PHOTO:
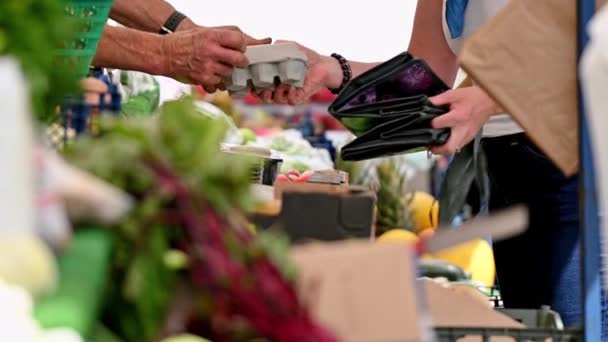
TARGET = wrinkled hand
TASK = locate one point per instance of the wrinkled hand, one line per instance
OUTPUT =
(320, 71)
(249, 40)
(470, 108)
(206, 55)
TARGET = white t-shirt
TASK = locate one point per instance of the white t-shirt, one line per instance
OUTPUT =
(478, 12)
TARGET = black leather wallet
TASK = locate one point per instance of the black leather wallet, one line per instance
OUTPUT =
(389, 111)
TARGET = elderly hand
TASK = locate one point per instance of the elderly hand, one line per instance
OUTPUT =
(323, 72)
(249, 40)
(470, 108)
(206, 55)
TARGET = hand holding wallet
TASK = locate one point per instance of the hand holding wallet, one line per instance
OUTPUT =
(389, 110)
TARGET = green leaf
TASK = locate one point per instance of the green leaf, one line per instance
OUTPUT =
(276, 245)
(30, 31)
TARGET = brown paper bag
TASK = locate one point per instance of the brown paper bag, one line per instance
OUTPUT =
(525, 58)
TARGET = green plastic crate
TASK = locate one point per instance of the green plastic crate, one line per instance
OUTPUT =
(90, 17)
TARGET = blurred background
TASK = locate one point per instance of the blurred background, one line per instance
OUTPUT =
(318, 24)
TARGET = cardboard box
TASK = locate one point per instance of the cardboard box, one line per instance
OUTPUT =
(369, 293)
(525, 58)
(362, 292)
(446, 309)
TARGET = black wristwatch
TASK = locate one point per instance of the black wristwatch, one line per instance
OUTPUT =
(172, 23)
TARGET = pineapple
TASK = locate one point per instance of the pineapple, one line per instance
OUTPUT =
(386, 178)
(391, 201)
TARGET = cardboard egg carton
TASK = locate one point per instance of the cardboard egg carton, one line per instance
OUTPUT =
(269, 65)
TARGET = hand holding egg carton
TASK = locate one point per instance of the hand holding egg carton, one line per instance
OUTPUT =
(269, 65)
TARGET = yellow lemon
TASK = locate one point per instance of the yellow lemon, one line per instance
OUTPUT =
(475, 257)
(424, 210)
(398, 235)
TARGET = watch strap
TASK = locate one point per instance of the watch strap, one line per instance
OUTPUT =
(172, 23)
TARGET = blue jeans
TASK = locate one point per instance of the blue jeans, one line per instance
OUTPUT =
(542, 266)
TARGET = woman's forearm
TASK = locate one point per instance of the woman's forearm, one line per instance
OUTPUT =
(146, 15)
(428, 40)
(128, 49)
(335, 73)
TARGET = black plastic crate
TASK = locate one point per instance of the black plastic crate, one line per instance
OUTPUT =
(515, 335)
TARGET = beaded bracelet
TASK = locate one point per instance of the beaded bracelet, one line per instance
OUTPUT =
(346, 72)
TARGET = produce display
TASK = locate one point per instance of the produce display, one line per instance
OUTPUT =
(425, 211)
(141, 93)
(186, 203)
(397, 208)
(475, 257)
(392, 202)
(470, 261)
(295, 176)
(143, 228)
(297, 153)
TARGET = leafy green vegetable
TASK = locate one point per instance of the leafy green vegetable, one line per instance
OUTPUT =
(84, 268)
(190, 196)
(188, 141)
(291, 147)
(299, 166)
(179, 136)
(143, 93)
(30, 31)
(147, 287)
(277, 249)
(142, 104)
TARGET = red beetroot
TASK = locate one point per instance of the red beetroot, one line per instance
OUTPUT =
(252, 289)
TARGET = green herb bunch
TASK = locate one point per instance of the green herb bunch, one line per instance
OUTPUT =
(30, 31)
(123, 153)
(191, 197)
